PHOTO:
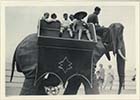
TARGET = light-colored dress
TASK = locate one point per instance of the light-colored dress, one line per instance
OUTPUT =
(110, 76)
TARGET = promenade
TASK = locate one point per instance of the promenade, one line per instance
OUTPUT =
(15, 87)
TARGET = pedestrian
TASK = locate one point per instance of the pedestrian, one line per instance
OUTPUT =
(134, 76)
(102, 76)
(99, 80)
(110, 78)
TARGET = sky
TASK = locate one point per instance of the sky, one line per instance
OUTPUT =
(22, 21)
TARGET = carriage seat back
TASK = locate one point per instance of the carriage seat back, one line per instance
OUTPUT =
(51, 28)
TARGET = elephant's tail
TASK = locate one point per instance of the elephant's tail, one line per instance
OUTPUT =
(13, 66)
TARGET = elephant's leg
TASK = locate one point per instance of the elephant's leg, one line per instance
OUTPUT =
(73, 86)
(94, 89)
(28, 87)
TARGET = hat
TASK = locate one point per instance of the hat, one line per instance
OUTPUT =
(83, 14)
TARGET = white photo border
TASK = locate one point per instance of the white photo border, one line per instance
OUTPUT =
(87, 97)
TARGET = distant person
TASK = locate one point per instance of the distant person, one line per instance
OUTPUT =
(134, 76)
(65, 25)
(80, 25)
(102, 75)
(110, 77)
(100, 30)
(99, 80)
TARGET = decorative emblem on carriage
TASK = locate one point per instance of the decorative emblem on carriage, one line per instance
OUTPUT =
(65, 65)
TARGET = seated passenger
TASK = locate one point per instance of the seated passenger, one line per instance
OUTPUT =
(45, 16)
(81, 26)
(53, 18)
(65, 25)
(72, 21)
(50, 27)
(42, 20)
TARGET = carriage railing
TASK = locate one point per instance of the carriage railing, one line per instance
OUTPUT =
(47, 30)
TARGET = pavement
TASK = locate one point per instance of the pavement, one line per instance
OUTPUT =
(16, 90)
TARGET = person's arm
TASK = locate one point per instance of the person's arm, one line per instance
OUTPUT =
(89, 19)
(85, 25)
(96, 21)
(93, 19)
(74, 25)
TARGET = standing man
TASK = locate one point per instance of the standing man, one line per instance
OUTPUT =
(102, 75)
(100, 30)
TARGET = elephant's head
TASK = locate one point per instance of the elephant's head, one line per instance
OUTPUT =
(118, 47)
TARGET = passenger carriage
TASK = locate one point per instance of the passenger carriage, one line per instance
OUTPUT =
(64, 57)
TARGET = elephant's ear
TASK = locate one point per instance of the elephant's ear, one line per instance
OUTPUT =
(116, 32)
(120, 41)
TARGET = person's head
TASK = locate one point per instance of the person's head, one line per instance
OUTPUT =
(97, 10)
(109, 66)
(71, 17)
(53, 16)
(101, 65)
(98, 72)
(46, 15)
(65, 16)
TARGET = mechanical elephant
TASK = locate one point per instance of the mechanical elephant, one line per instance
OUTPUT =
(26, 57)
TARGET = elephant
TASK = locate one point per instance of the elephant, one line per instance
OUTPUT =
(115, 43)
(26, 57)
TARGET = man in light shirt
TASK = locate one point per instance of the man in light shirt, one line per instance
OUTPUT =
(65, 25)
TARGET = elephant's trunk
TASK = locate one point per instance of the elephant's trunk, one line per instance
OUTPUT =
(116, 32)
(121, 71)
(121, 58)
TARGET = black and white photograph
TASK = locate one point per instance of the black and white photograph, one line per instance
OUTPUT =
(70, 49)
